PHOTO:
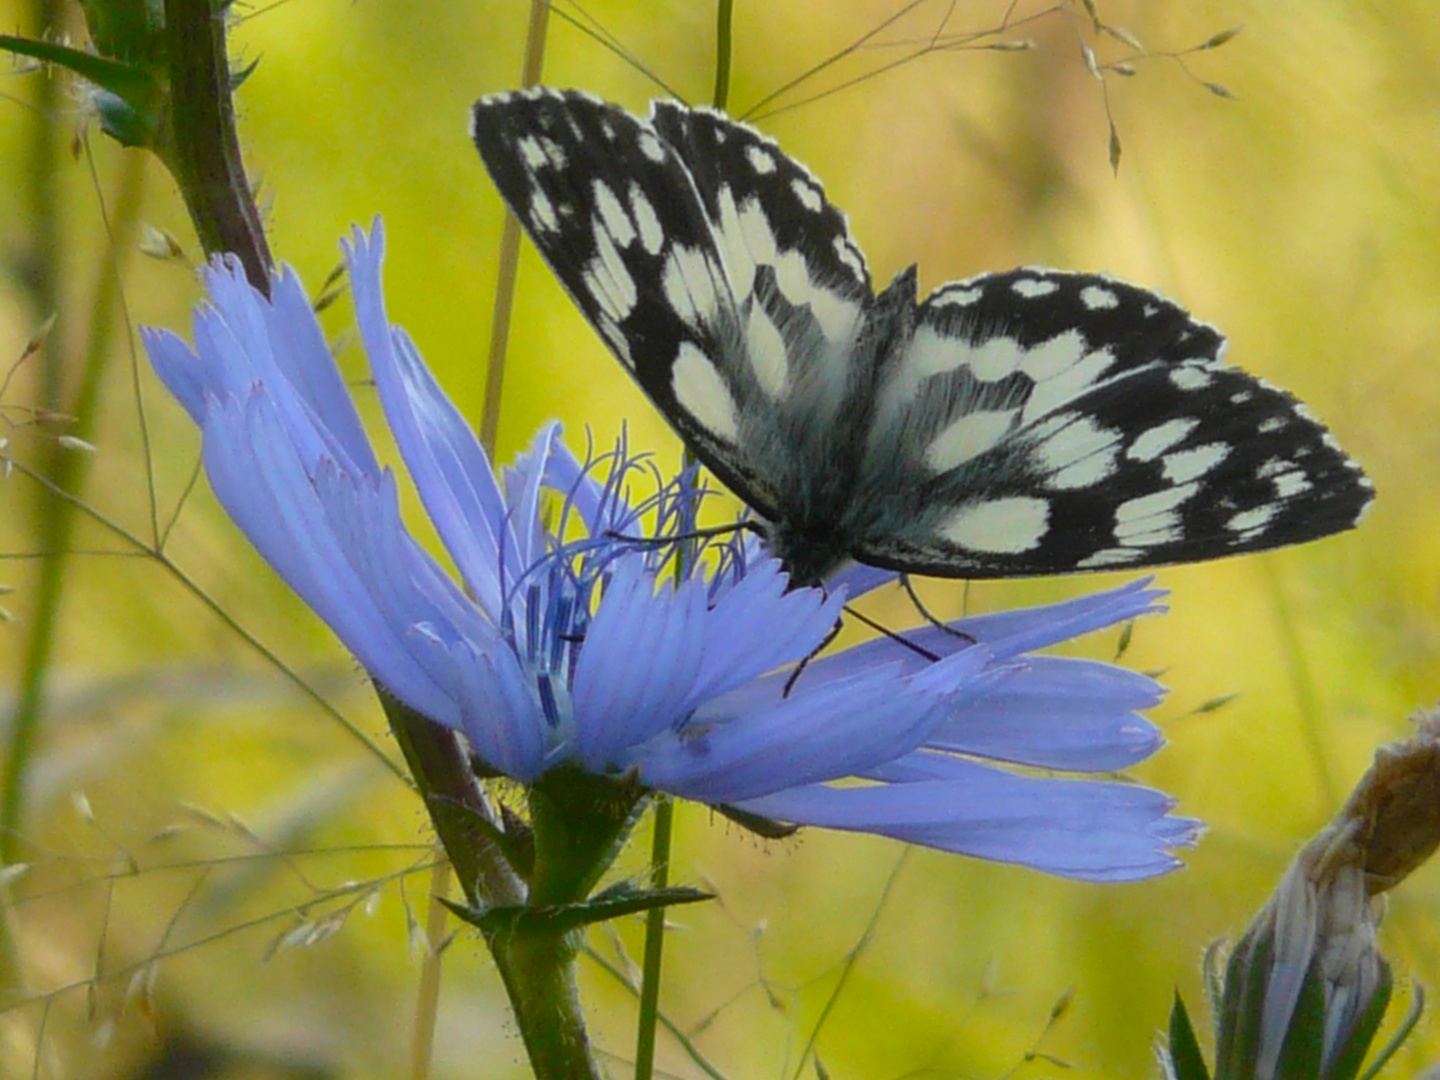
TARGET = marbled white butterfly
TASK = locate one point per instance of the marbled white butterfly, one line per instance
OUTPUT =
(1030, 422)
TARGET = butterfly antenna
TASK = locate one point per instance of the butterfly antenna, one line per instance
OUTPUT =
(708, 533)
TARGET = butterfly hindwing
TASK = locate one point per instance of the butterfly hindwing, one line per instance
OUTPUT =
(1039, 419)
(1031, 422)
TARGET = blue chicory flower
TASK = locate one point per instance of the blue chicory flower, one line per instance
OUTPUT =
(573, 645)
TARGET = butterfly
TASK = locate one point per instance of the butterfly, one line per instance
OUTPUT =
(1029, 422)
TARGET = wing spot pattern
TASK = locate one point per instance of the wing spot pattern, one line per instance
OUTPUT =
(613, 215)
(730, 238)
(1067, 385)
(686, 283)
(1189, 377)
(652, 234)
(1154, 518)
(531, 152)
(702, 393)
(1150, 444)
(766, 349)
(847, 254)
(542, 213)
(1098, 298)
(1079, 454)
(808, 195)
(968, 437)
(1273, 468)
(607, 279)
(1185, 465)
(761, 160)
(1290, 484)
(1050, 358)
(989, 362)
(651, 148)
(1251, 522)
(957, 297)
(1030, 288)
(1005, 526)
(1109, 557)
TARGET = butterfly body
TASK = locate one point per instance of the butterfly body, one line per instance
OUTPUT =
(1029, 422)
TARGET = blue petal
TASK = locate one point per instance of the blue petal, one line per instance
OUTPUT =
(523, 483)
(756, 626)
(179, 369)
(246, 339)
(259, 479)
(1073, 828)
(450, 470)
(1011, 633)
(844, 726)
(500, 716)
(640, 660)
(1058, 713)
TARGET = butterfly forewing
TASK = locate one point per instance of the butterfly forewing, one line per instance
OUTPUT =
(1032, 422)
(614, 212)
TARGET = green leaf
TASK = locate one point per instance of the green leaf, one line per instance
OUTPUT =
(133, 84)
(612, 903)
(1185, 1056)
(130, 98)
(1304, 1047)
(1238, 1036)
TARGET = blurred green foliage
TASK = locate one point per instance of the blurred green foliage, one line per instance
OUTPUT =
(1301, 215)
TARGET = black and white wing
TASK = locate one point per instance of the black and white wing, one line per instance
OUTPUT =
(1032, 422)
(709, 261)
(1042, 422)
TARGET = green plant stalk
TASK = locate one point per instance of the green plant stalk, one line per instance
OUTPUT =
(653, 961)
(56, 525)
(508, 263)
(654, 941)
(537, 966)
(199, 144)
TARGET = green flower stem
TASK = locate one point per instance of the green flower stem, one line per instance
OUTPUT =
(537, 965)
(654, 941)
(665, 809)
(462, 815)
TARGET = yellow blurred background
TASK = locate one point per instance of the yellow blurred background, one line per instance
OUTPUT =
(222, 809)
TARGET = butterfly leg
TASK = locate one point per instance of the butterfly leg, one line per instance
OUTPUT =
(927, 616)
(800, 667)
